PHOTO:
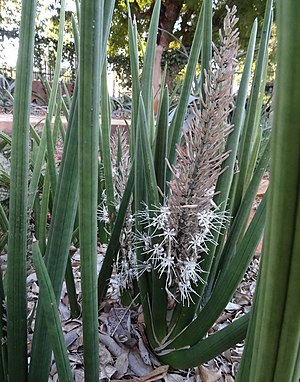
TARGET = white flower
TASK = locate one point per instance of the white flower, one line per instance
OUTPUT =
(143, 214)
(156, 253)
(177, 259)
(186, 291)
(114, 171)
(190, 271)
(166, 265)
(160, 219)
(145, 240)
(205, 219)
(142, 267)
(198, 243)
(169, 236)
(126, 274)
(212, 220)
(130, 219)
(103, 214)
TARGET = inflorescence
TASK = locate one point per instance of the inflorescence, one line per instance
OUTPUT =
(175, 237)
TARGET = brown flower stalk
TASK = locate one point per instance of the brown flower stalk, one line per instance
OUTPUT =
(177, 234)
(202, 152)
(120, 169)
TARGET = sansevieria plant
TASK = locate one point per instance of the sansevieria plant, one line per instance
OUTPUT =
(273, 337)
(169, 201)
(184, 244)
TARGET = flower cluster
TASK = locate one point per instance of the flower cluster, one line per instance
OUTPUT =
(126, 262)
(102, 213)
(176, 236)
(174, 254)
(172, 247)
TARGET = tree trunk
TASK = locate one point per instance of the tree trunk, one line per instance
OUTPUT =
(168, 16)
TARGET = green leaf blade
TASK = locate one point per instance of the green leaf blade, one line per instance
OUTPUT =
(17, 239)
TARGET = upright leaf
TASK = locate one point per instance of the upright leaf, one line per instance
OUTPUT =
(52, 318)
(17, 240)
(253, 111)
(51, 107)
(272, 352)
(91, 33)
(178, 119)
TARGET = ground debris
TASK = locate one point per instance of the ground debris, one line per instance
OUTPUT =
(124, 351)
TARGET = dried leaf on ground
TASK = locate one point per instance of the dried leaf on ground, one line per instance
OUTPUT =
(121, 365)
(153, 376)
(137, 365)
(209, 375)
(177, 378)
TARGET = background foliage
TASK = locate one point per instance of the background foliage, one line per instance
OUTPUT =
(177, 24)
